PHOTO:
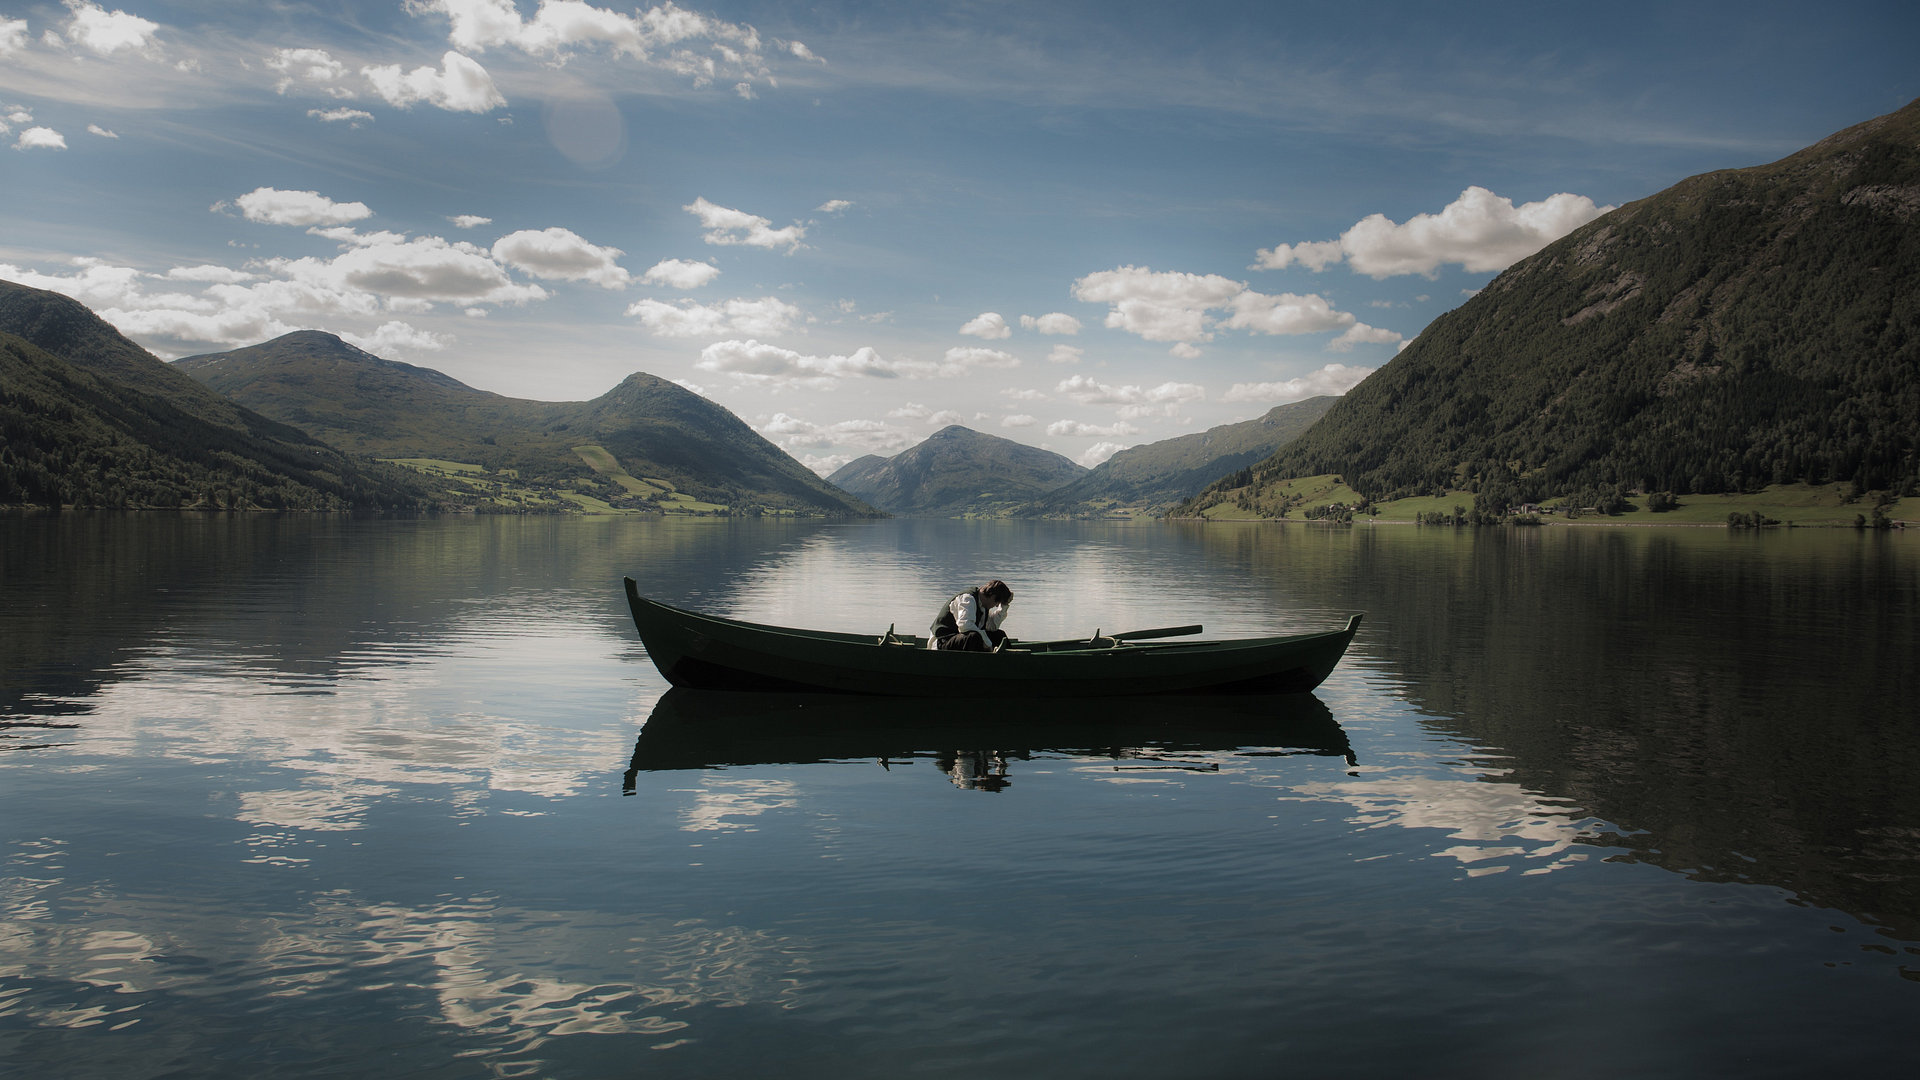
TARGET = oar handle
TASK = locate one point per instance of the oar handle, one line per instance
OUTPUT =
(1166, 631)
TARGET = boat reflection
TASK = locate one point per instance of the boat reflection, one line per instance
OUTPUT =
(705, 729)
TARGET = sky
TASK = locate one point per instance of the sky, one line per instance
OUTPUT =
(1080, 226)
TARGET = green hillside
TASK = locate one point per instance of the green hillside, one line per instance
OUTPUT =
(1148, 479)
(646, 446)
(1742, 329)
(89, 419)
(958, 472)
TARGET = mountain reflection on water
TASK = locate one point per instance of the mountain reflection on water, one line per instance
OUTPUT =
(318, 795)
(972, 744)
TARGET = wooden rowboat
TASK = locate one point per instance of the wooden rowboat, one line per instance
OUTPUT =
(706, 652)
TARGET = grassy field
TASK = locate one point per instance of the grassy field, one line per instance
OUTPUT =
(1796, 505)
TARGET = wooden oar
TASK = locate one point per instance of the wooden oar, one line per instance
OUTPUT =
(1167, 631)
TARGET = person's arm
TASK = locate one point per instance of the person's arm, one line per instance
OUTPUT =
(966, 615)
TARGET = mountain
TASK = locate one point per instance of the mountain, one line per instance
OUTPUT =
(88, 418)
(957, 472)
(1742, 328)
(1150, 478)
(647, 444)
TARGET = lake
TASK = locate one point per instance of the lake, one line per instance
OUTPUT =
(320, 796)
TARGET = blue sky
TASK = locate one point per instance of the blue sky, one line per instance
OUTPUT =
(1078, 225)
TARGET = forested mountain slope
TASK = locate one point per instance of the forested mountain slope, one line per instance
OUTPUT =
(1743, 328)
(957, 472)
(1149, 478)
(662, 437)
(88, 418)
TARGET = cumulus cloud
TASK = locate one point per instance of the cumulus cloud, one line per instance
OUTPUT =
(1017, 420)
(272, 206)
(779, 368)
(913, 410)
(1185, 308)
(967, 358)
(1285, 314)
(423, 268)
(1065, 354)
(107, 32)
(1070, 428)
(832, 206)
(988, 325)
(1361, 333)
(1134, 401)
(13, 35)
(798, 436)
(561, 254)
(765, 317)
(398, 337)
(1480, 231)
(206, 272)
(40, 138)
(312, 65)
(1056, 322)
(1334, 379)
(752, 361)
(353, 117)
(680, 273)
(96, 129)
(1098, 453)
(727, 227)
(461, 85)
(469, 221)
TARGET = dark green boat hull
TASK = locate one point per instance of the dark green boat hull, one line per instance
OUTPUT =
(705, 652)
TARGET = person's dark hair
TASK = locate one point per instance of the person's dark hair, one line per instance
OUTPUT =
(996, 591)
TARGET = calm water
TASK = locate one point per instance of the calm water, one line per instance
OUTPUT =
(293, 797)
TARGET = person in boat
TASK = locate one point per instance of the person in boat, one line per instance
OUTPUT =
(971, 620)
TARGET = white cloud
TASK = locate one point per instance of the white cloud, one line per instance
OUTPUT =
(1065, 354)
(733, 50)
(354, 117)
(779, 368)
(96, 129)
(1017, 420)
(765, 317)
(398, 337)
(831, 206)
(271, 206)
(801, 51)
(313, 65)
(1068, 428)
(1180, 307)
(988, 325)
(680, 273)
(1134, 401)
(461, 85)
(13, 35)
(726, 227)
(797, 436)
(1285, 314)
(1361, 333)
(107, 32)
(966, 358)
(1480, 231)
(40, 138)
(1056, 322)
(225, 275)
(425, 268)
(1023, 395)
(1169, 306)
(469, 221)
(1334, 379)
(561, 254)
(1098, 453)
(913, 410)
